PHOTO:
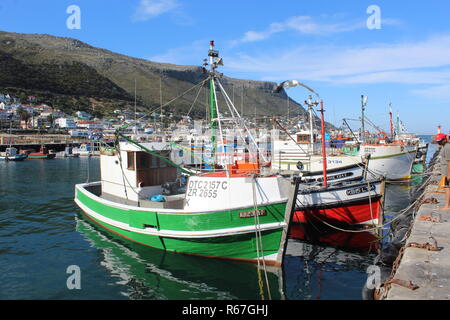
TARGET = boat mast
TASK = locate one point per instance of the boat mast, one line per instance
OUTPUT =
(324, 151)
(391, 123)
(212, 101)
(311, 125)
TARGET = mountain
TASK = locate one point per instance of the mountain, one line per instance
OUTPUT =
(73, 75)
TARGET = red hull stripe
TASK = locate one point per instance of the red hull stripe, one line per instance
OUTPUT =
(346, 214)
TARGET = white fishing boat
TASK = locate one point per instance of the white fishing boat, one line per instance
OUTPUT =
(87, 150)
(393, 161)
(301, 155)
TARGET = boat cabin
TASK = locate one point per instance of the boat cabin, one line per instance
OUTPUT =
(10, 152)
(304, 137)
(135, 175)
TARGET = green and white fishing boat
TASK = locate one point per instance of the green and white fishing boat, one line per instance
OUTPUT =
(234, 213)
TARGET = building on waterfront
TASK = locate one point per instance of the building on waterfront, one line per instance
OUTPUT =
(91, 125)
(65, 123)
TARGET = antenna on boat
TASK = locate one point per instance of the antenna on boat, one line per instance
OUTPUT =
(364, 100)
(324, 151)
(310, 103)
(391, 122)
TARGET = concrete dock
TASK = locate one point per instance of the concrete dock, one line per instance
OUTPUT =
(422, 269)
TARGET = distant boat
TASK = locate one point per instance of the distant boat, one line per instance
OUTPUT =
(11, 154)
(67, 153)
(42, 154)
(87, 150)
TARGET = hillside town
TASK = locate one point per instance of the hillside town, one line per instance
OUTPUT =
(36, 116)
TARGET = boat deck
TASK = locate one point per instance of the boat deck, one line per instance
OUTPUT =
(172, 202)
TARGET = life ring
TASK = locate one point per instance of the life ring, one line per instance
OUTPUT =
(300, 166)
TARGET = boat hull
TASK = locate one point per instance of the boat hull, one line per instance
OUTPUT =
(360, 212)
(41, 156)
(228, 234)
(19, 157)
(351, 172)
(358, 203)
(363, 241)
(393, 162)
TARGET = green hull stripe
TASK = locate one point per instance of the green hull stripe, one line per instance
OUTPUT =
(233, 246)
(241, 246)
(183, 222)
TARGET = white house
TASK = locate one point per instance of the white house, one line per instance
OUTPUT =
(66, 123)
(91, 125)
(83, 115)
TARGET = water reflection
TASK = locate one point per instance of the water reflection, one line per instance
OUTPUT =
(147, 273)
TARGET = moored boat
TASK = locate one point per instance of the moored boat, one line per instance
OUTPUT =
(87, 150)
(353, 202)
(235, 213)
(42, 154)
(346, 203)
(11, 154)
(393, 161)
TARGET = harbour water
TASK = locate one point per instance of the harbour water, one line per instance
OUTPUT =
(42, 233)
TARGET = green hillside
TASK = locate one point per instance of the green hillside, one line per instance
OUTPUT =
(70, 74)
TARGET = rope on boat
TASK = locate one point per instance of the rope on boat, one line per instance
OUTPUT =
(196, 97)
(259, 246)
(166, 104)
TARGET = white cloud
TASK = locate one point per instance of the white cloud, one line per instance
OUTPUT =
(411, 62)
(148, 9)
(308, 25)
(441, 93)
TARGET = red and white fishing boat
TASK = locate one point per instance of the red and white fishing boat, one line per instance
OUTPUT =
(357, 202)
(347, 203)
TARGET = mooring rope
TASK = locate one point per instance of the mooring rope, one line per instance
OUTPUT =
(259, 246)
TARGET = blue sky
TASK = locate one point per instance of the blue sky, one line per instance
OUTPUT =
(325, 44)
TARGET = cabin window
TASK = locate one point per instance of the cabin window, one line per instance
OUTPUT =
(152, 171)
(130, 161)
(302, 139)
(154, 162)
(143, 160)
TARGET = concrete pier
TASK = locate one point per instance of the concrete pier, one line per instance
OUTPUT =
(422, 270)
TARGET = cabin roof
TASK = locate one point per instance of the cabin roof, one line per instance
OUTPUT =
(154, 146)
